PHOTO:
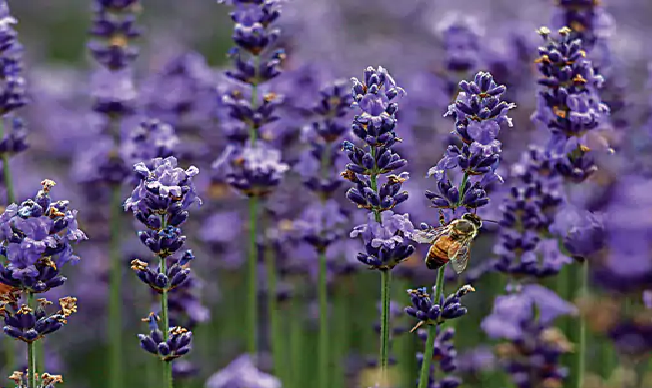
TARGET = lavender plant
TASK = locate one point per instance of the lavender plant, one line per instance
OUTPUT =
(37, 238)
(12, 129)
(478, 113)
(385, 232)
(161, 202)
(248, 166)
(570, 107)
(113, 29)
(321, 225)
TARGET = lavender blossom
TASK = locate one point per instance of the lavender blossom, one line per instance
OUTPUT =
(174, 346)
(478, 114)
(429, 313)
(37, 241)
(568, 103)
(525, 319)
(15, 141)
(114, 28)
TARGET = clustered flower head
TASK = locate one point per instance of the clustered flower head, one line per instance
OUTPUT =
(374, 124)
(525, 246)
(167, 348)
(37, 238)
(14, 140)
(430, 313)
(28, 325)
(444, 356)
(461, 39)
(525, 319)
(173, 277)
(161, 202)
(255, 35)
(151, 139)
(479, 113)
(47, 380)
(587, 19)
(12, 82)
(253, 170)
(114, 27)
(568, 103)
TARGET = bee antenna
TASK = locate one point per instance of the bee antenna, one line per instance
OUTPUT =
(495, 222)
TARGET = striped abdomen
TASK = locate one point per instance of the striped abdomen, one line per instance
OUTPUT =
(438, 252)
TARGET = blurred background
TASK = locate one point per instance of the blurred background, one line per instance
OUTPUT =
(428, 46)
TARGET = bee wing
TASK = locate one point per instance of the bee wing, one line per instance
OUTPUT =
(429, 236)
(459, 253)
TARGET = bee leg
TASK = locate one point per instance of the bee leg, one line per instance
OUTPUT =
(442, 218)
(418, 325)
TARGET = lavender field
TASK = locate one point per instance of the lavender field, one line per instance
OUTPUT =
(326, 194)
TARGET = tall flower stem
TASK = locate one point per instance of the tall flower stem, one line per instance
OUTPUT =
(276, 337)
(252, 270)
(10, 359)
(323, 290)
(580, 362)
(432, 333)
(252, 259)
(297, 338)
(167, 365)
(116, 378)
(385, 279)
(6, 172)
(31, 349)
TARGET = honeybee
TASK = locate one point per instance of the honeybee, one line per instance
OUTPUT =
(450, 242)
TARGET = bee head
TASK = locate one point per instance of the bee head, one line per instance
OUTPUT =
(473, 218)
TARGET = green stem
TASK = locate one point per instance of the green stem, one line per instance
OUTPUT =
(276, 338)
(167, 365)
(31, 347)
(6, 170)
(323, 322)
(252, 266)
(432, 333)
(583, 283)
(116, 377)
(385, 278)
(322, 289)
(296, 340)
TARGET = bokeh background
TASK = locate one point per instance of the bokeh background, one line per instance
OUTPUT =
(181, 63)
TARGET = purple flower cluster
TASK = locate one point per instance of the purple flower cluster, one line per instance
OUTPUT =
(114, 27)
(479, 114)
(429, 313)
(525, 246)
(167, 348)
(12, 95)
(525, 319)
(588, 20)
(385, 234)
(37, 238)
(30, 325)
(444, 356)
(161, 202)
(568, 103)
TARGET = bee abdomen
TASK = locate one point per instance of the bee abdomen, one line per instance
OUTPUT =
(437, 256)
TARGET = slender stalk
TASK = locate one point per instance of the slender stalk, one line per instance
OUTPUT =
(580, 362)
(323, 321)
(252, 268)
(385, 280)
(252, 259)
(322, 289)
(276, 339)
(167, 365)
(296, 341)
(432, 333)
(116, 377)
(31, 347)
(10, 350)
(163, 268)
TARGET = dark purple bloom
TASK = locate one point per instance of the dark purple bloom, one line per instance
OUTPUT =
(15, 137)
(433, 313)
(253, 170)
(176, 275)
(444, 357)
(12, 82)
(37, 240)
(167, 348)
(30, 325)
(387, 241)
(114, 27)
